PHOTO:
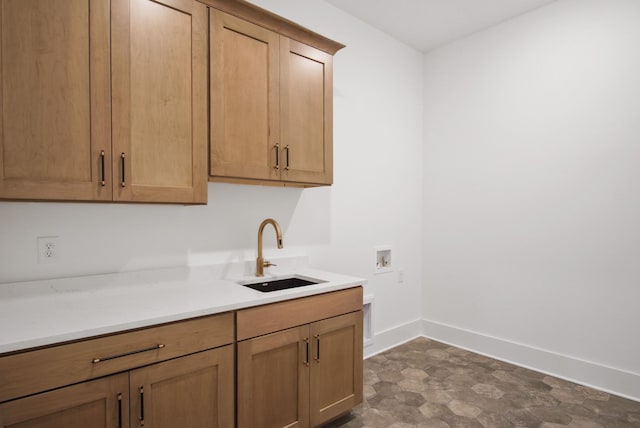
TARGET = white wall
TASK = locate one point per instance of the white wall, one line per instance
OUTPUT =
(378, 156)
(532, 191)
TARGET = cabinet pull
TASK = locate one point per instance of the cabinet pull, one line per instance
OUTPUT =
(141, 406)
(119, 410)
(112, 357)
(286, 152)
(102, 179)
(277, 147)
(306, 344)
(123, 182)
(317, 336)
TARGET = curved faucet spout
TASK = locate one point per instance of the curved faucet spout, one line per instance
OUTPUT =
(260, 262)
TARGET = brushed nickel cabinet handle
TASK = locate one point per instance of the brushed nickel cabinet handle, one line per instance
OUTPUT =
(102, 180)
(126, 354)
(277, 147)
(123, 182)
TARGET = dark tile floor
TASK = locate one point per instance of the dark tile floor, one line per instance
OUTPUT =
(428, 384)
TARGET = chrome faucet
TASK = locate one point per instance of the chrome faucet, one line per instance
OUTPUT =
(260, 262)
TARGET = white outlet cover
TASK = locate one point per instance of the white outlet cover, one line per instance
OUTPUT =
(48, 249)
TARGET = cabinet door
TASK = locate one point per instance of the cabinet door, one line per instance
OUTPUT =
(336, 366)
(54, 91)
(101, 403)
(244, 99)
(159, 84)
(306, 82)
(195, 391)
(273, 380)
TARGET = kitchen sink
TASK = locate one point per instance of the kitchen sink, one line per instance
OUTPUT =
(281, 284)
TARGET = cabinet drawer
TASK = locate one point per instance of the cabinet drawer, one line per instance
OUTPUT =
(266, 319)
(34, 371)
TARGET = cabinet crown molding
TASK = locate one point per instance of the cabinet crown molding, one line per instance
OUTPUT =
(264, 18)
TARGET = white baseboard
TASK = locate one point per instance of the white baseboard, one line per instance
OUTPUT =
(612, 380)
(392, 337)
(615, 381)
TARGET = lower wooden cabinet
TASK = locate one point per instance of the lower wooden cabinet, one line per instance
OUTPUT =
(298, 363)
(336, 367)
(194, 391)
(98, 403)
(303, 376)
(273, 380)
(169, 375)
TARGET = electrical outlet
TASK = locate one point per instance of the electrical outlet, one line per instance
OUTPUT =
(400, 276)
(48, 249)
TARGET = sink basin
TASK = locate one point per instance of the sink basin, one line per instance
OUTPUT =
(281, 284)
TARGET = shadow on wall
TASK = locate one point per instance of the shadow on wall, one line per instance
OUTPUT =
(303, 215)
(105, 238)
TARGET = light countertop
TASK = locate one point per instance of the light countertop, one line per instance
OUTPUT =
(45, 312)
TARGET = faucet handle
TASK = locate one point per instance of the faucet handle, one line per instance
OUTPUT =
(267, 263)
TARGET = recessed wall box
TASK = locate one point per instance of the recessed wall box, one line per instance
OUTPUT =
(383, 260)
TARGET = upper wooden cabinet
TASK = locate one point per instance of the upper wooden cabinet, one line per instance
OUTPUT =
(271, 99)
(159, 84)
(244, 99)
(55, 119)
(306, 112)
(107, 100)
(103, 100)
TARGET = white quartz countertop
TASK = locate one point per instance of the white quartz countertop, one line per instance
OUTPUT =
(41, 313)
